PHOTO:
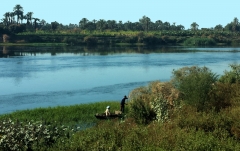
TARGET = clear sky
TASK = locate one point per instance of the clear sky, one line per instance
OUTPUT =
(206, 13)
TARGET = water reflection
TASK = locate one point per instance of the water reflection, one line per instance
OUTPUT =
(12, 51)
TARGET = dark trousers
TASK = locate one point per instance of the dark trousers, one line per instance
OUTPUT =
(122, 108)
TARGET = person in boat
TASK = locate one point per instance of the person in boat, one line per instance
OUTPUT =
(107, 112)
(122, 104)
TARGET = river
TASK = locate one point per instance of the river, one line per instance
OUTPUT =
(33, 77)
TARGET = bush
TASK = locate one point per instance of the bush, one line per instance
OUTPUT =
(154, 102)
(141, 111)
(29, 135)
(71, 40)
(232, 76)
(200, 42)
(90, 41)
(17, 28)
(195, 83)
(131, 39)
(221, 95)
(151, 40)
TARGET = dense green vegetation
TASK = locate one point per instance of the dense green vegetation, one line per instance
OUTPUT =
(195, 110)
(110, 32)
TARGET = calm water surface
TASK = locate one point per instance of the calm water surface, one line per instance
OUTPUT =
(40, 77)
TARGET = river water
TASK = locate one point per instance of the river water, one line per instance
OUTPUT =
(33, 77)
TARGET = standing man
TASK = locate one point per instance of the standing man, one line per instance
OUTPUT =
(123, 103)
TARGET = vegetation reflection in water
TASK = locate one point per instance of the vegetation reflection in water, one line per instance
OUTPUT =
(11, 51)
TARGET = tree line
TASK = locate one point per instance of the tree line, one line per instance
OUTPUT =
(14, 21)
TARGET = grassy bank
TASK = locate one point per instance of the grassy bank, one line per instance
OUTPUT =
(187, 130)
(108, 37)
(63, 114)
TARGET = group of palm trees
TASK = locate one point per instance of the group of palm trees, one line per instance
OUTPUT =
(144, 23)
(9, 17)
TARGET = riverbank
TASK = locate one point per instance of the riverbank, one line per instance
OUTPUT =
(188, 130)
(111, 38)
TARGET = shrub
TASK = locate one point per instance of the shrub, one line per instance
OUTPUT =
(232, 76)
(71, 40)
(90, 41)
(221, 95)
(29, 135)
(131, 39)
(200, 42)
(195, 83)
(17, 28)
(151, 40)
(141, 111)
(154, 102)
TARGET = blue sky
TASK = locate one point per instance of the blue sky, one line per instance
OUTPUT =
(206, 13)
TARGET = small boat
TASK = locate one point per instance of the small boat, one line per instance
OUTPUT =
(116, 114)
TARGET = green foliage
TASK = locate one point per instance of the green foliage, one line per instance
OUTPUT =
(131, 39)
(195, 83)
(153, 102)
(141, 111)
(4, 30)
(16, 135)
(199, 42)
(90, 40)
(160, 107)
(187, 130)
(71, 40)
(232, 76)
(83, 113)
(151, 40)
(219, 100)
(17, 28)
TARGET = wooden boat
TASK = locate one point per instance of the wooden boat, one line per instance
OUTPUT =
(116, 114)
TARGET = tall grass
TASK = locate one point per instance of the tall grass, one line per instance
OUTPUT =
(64, 114)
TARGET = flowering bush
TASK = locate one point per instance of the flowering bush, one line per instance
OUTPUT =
(29, 135)
(154, 102)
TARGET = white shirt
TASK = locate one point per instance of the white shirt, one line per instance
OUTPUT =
(107, 112)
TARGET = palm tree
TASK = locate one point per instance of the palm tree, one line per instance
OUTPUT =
(166, 25)
(4, 22)
(194, 26)
(128, 25)
(158, 25)
(7, 18)
(43, 22)
(145, 21)
(101, 24)
(235, 24)
(29, 17)
(18, 10)
(218, 27)
(12, 18)
(83, 22)
(54, 25)
(180, 27)
(21, 17)
(35, 22)
(111, 24)
(120, 25)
